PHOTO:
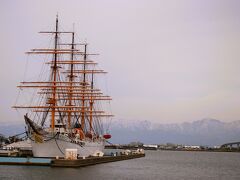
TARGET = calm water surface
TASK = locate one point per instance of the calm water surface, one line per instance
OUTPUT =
(167, 165)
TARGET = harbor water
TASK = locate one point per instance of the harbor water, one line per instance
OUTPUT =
(170, 165)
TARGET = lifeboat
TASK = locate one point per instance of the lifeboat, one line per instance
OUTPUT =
(107, 136)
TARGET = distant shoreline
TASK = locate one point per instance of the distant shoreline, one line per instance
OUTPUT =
(156, 148)
(238, 151)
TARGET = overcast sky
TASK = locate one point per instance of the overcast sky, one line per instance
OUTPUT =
(168, 60)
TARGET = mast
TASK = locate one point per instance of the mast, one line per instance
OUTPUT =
(91, 107)
(84, 86)
(54, 67)
(71, 92)
(71, 81)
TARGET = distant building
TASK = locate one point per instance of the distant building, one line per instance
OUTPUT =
(150, 146)
(192, 147)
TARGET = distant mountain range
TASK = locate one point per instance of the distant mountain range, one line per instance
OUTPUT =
(11, 129)
(208, 132)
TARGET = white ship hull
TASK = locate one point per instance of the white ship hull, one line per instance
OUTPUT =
(56, 147)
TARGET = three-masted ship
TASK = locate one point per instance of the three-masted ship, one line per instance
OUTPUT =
(69, 113)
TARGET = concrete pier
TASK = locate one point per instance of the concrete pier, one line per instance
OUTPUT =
(64, 162)
(25, 161)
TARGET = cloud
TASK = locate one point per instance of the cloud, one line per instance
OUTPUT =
(167, 60)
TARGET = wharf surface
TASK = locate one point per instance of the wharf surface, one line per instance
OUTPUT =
(92, 160)
(64, 162)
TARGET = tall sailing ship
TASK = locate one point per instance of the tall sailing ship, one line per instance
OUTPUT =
(68, 113)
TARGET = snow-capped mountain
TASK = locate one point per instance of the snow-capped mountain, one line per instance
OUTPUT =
(202, 132)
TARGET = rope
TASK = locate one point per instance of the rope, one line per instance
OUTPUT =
(109, 142)
(58, 146)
